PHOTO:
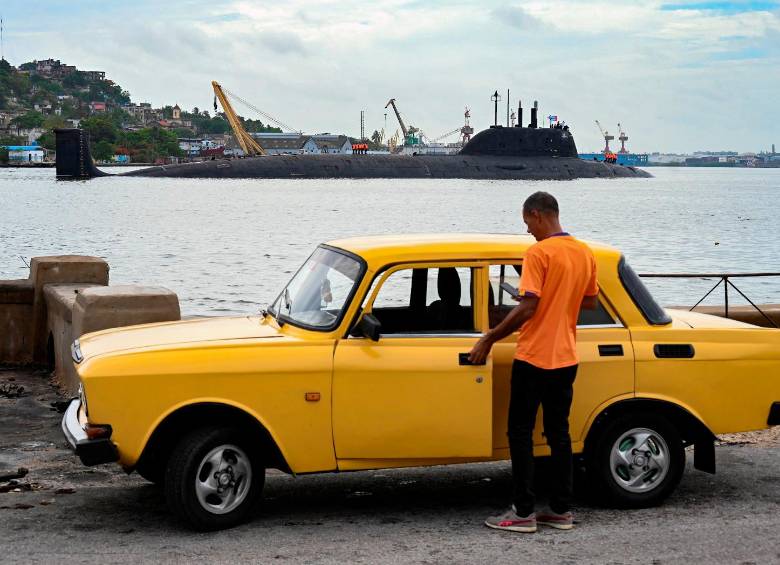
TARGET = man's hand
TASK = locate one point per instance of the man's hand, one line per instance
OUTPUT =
(481, 350)
(516, 318)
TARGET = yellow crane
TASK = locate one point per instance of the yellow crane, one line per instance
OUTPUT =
(248, 143)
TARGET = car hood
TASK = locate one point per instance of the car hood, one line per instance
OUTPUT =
(176, 333)
(699, 320)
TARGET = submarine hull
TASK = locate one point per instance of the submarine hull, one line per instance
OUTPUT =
(496, 153)
(395, 166)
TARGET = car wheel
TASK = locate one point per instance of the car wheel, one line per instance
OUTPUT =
(213, 479)
(636, 461)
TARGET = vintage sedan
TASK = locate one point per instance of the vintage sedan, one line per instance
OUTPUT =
(361, 363)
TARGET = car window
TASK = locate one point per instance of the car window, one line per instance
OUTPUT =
(501, 302)
(426, 300)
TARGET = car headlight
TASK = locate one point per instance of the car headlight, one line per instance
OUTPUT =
(75, 352)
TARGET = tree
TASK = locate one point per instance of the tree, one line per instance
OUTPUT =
(100, 128)
(103, 151)
(376, 137)
(47, 140)
(28, 120)
(184, 132)
(12, 140)
(54, 122)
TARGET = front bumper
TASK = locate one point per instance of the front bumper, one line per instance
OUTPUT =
(90, 451)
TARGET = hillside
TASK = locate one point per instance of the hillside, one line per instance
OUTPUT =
(39, 96)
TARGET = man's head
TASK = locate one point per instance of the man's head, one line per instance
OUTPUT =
(540, 214)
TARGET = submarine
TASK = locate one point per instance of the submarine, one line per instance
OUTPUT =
(496, 153)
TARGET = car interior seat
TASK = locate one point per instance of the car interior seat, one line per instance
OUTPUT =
(446, 313)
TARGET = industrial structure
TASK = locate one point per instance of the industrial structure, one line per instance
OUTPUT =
(499, 152)
(622, 157)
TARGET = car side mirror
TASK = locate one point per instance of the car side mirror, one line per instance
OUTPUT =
(369, 326)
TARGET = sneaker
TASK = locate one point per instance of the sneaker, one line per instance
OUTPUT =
(509, 520)
(563, 521)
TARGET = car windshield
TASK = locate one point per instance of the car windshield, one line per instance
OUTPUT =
(318, 293)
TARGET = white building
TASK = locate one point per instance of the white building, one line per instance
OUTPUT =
(25, 153)
(327, 143)
(286, 143)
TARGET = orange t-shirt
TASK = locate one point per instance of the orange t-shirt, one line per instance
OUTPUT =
(560, 271)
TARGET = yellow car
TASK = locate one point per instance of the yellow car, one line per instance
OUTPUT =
(361, 363)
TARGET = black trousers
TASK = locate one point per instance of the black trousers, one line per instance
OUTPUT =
(552, 388)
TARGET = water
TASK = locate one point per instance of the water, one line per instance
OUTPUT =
(227, 247)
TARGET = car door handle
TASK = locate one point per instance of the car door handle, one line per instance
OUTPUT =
(463, 359)
(615, 350)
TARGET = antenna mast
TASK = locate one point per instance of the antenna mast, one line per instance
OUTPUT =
(2, 53)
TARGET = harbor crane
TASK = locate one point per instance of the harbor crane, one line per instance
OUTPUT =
(466, 130)
(607, 138)
(407, 131)
(623, 138)
(404, 131)
(247, 143)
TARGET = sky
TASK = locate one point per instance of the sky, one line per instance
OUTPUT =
(679, 76)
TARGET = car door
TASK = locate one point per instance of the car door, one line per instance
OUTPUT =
(410, 395)
(606, 367)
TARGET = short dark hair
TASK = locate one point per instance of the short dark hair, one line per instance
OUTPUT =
(542, 202)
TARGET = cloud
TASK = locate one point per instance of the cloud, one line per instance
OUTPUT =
(282, 42)
(516, 17)
(723, 7)
(665, 74)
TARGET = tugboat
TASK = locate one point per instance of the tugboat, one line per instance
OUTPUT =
(522, 153)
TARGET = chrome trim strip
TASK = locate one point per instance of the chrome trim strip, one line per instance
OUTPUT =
(73, 431)
(75, 352)
(600, 326)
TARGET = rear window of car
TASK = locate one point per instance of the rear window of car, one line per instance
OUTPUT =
(638, 292)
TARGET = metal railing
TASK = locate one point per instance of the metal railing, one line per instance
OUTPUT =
(723, 279)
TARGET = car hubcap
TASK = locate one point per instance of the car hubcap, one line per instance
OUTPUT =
(223, 479)
(639, 460)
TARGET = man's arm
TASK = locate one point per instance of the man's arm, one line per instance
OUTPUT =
(519, 315)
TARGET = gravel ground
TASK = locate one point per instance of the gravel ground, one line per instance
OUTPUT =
(65, 512)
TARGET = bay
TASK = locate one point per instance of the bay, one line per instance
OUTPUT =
(228, 246)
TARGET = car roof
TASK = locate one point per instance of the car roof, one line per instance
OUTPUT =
(379, 250)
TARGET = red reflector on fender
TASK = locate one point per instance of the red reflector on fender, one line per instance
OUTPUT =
(97, 432)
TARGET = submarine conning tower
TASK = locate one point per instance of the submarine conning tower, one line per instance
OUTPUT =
(522, 142)
(74, 160)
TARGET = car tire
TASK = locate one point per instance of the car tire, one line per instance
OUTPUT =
(154, 472)
(636, 461)
(214, 478)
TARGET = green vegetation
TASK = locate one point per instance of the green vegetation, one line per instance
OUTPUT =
(107, 138)
(47, 102)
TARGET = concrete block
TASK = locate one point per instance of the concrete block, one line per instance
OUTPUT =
(60, 299)
(16, 327)
(98, 308)
(59, 269)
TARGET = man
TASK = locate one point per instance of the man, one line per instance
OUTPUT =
(558, 278)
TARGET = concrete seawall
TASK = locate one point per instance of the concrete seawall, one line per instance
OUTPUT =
(67, 296)
(63, 298)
